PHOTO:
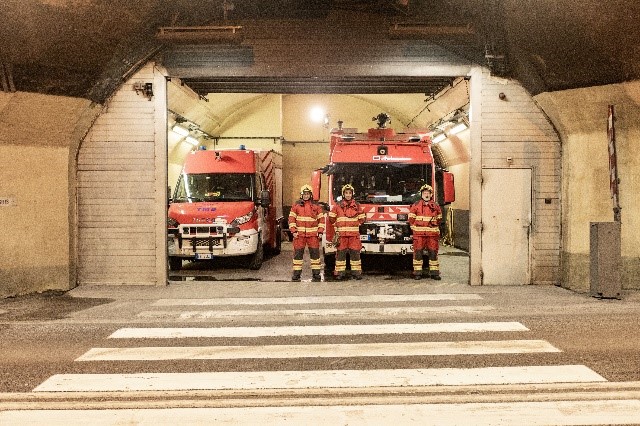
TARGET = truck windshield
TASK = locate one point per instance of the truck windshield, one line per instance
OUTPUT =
(381, 183)
(214, 187)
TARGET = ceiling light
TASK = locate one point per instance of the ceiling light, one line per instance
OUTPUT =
(180, 130)
(458, 128)
(439, 138)
(193, 141)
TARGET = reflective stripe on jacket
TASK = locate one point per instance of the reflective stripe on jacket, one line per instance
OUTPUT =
(347, 217)
(306, 218)
(425, 218)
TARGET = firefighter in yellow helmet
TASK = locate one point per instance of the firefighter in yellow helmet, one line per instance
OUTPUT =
(347, 216)
(425, 217)
(306, 223)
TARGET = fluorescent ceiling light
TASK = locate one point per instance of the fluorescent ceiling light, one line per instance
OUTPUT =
(439, 138)
(180, 130)
(192, 140)
(458, 128)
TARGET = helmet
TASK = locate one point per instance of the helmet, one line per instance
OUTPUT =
(345, 187)
(304, 188)
(426, 187)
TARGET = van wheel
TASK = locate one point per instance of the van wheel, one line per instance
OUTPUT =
(256, 258)
(175, 263)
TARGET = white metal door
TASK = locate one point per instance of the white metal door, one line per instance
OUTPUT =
(506, 222)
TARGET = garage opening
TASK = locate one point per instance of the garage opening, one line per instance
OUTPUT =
(293, 119)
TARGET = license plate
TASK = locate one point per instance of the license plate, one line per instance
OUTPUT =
(204, 256)
(364, 238)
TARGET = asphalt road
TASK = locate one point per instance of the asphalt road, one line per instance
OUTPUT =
(47, 334)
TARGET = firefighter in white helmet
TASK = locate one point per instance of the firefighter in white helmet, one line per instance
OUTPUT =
(347, 216)
(425, 217)
(306, 223)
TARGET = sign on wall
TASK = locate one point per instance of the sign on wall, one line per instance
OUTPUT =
(7, 202)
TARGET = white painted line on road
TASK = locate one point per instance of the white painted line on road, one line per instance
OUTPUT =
(295, 300)
(318, 351)
(479, 414)
(315, 330)
(318, 379)
(317, 313)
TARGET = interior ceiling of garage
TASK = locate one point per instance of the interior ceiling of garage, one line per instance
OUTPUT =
(86, 47)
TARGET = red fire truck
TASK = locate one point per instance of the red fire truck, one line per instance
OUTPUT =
(386, 169)
(226, 203)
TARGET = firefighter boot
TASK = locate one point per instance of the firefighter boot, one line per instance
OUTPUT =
(416, 275)
(434, 265)
(357, 276)
(316, 276)
(296, 276)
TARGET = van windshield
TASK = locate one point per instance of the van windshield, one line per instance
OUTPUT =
(193, 188)
(381, 183)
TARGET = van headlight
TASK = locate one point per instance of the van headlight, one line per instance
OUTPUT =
(241, 220)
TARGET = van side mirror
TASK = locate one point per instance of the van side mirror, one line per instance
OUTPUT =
(265, 198)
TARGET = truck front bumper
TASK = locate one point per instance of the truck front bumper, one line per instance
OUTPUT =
(201, 245)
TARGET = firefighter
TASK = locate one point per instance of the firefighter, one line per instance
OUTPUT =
(346, 216)
(306, 223)
(425, 216)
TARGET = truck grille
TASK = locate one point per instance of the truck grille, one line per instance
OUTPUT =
(204, 242)
(211, 230)
(194, 243)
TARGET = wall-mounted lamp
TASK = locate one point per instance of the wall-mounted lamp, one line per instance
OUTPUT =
(193, 141)
(318, 115)
(458, 128)
(145, 89)
(438, 138)
(180, 130)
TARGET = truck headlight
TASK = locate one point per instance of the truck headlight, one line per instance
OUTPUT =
(241, 220)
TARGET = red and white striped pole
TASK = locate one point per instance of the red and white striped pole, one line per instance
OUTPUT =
(613, 164)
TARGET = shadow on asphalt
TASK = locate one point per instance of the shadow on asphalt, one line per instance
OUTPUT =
(49, 305)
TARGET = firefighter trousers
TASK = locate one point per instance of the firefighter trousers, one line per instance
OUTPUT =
(431, 245)
(352, 246)
(299, 245)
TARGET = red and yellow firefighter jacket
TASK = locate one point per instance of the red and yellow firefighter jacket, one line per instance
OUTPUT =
(347, 217)
(425, 218)
(306, 218)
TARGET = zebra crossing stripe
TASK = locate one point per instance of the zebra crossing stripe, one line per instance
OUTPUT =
(597, 412)
(295, 300)
(320, 330)
(318, 350)
(317, 379)
(316, 313)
